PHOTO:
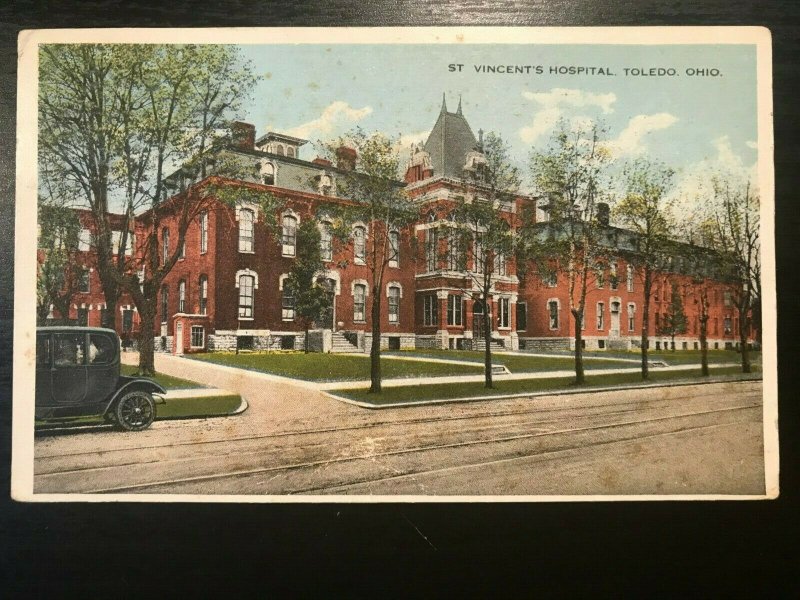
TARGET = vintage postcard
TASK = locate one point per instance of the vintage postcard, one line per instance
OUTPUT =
(383, 264)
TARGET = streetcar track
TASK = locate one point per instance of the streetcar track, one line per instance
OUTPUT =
(266, 451)
(412, 421)
(428, 448)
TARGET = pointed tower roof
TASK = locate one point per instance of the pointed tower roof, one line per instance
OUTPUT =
(449, 142)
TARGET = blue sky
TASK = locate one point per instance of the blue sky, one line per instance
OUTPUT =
(691, 123)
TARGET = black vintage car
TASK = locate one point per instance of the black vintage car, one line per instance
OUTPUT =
(78, 374)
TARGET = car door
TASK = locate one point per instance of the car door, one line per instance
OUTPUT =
(102, 371)
(44, 394)
(68, 373)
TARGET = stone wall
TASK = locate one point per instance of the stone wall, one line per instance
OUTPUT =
(544, 344)
(162, 344)
(407, 341)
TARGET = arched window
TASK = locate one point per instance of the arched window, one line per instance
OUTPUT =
(360, 244)
(290, 151)
(279, 150)
(431, 248)
(289, 235)
(164, 245)
(202, 287)
(267, 173)
(394, 249)
(182, 296)
(246, 304)
(203, 232)
(246, 218)
(326, 241)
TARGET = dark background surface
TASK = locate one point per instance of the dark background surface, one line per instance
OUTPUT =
(656, 548)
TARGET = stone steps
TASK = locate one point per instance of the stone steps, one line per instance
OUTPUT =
(339, 343)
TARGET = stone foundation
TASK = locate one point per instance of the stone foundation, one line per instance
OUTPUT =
(544, 344)
(399, 341)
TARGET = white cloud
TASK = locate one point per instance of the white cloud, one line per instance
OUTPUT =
(575, 98)
(334, 115)
(552, 108)
(693, 185)
(631, 141)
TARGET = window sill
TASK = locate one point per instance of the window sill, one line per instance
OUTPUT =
(247, 252)
(288, 320)
(246, 319)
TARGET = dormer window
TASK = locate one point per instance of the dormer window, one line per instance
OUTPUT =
(279, 150)
(290, 151)
(267, 173)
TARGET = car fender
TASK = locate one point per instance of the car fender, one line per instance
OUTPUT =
(130, 384)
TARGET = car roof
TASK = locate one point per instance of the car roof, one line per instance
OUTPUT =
(73, 329)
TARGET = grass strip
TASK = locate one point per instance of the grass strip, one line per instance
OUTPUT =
(428, 392)
(333, 367)
(167, 381)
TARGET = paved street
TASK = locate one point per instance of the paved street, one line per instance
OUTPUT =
(294, 440)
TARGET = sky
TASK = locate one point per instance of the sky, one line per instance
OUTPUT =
(693, 123)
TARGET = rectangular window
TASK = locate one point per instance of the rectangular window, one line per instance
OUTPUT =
(203, 285)
(613, 279)
(479, 254)
(287, 303)
(629, 276)
(164, 245)
(553, 310)
(503, 312)
(499, 264)
(394, 249)
(289, 235)
(127, 320)
(430, 310)
(198, 336)
(522, 316)
(182, 296)
(599, 275)
(455, 310)
(164, 303)
(84, 240)
(182, 255)
(631, 317)
(394, 304)
(431, 249)
(246, 219)
(203, 232)
(69, 349)
(83, 282)
(246, 296)
(727, 326)
(359, 297)
(600, 316)
(456, 260)
(360, 245)
(326, 242)
(727, 299)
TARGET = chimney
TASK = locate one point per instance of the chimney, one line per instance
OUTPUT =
(243, 135)
(602, 214)
(346, 158)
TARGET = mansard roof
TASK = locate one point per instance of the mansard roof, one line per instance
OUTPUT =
(449, 142)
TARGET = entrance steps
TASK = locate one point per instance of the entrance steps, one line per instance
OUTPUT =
(494, 344)
(339, 343)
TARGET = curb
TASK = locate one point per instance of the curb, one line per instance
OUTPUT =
(534, 394)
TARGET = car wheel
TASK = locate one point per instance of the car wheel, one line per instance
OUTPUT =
(135, 411)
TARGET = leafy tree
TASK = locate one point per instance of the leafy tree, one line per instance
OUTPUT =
(477, 223)
(646, 210)
(57, 278)
(571, 173)
(734, 233)
(306, 282)
(114, 118)
(674, 321)
(377, 201)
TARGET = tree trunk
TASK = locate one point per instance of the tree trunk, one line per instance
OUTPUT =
(487, 344)
(704, 346)
(673, 342)
(746, 366)
(580, 377)
(646, 322)
(375, 347)
(146, 328)
(305, 343)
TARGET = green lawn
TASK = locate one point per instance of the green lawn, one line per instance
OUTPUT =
(421, 393)
(517, 363)
(333, 367)
(167, 381)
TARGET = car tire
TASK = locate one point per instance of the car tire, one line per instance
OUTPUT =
(135, 411)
